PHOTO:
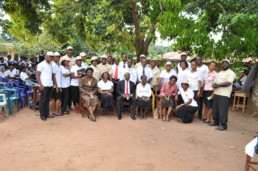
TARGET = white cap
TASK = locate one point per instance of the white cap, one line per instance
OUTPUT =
(185, 81)
(82, 54)
(49, 53)
(142, 56)
(168, 63)
(103, 56)
(134, 58)
(94, 58)
(78, 58)
(183, 54)
(148, 58)
(225, 60)
(57, 54)
(69, 47)
(65, 58)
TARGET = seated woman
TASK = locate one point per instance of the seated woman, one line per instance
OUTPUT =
(168, 93)
(186, 110)
(105, 89)
(3, 73)
(88, 90)
(143, 91)
(23, 75)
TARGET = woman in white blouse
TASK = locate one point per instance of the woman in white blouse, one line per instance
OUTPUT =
(65, 84)
(105, 89)
(143, 91)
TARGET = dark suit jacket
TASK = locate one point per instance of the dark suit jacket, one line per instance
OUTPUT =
(121, 88)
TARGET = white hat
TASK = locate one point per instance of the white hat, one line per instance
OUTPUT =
(57, 54)
(65, 58)
(94, 58)
(78, 58)
(82, 54)
(142, 56)
(49, 53)
(69, 47)
(185, 81)
(168, 63)
(148, 58)
(103, 56)
(134, 58)
(183, 54)
(225, 60)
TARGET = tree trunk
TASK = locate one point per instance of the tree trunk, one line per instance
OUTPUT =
(252, 106)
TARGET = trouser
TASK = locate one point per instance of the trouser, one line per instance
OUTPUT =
(75, 95)
(65, 99)
(115, 87)
(69, 103)
(44, 101)
(107, 101)
(220, 110)
(199, 101)
(119, 103)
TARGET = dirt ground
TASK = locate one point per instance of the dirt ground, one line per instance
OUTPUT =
(71, 143)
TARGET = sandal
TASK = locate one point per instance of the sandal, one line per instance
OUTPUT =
(55, 114)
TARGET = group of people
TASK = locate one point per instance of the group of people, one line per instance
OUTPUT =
(180, 91)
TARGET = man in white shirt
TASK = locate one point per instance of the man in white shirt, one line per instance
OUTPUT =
(56, 96)
(144, 70)
(183, 58)
(46, 80)
(202, 69)
(70, 55)
(123, 63)
(139, 64)
(84, 58)
(131, 71)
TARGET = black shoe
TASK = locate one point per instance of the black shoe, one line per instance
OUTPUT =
(43, 118)
(119, 117)
(70, 108)
(213, 124)
(133, 117)
(221, 128)
(50, 116)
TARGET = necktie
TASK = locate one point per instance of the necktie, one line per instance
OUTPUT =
(126, 89)
(116, 73)
(143, 71)
(124, 64)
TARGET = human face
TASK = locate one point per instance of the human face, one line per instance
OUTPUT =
(225, 65)
(168, 68)
(172, 81)
(84, 58)
(124, 57)
(104, 60)
(183, 57)
(212, 66)
(49, 58)
(129, 63)
(194, 65)
(199, 60)
(79, 62)
(109, 59)
(3, 69)
(105, 76)
(142, 58)
(144, 79)
(89, 73)
(183, 65)
(184, 86)
(66, 63)
(57, 59)
(70, 52)
(116, 61)
(94, 62)
(144, 63)
(153, 64)
(127, 76)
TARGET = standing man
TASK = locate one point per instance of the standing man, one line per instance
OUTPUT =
(131, 71)
(15, 61)
(123, 63)
(110, 60)
(125, 92)
(41, 56)
(155, 73)
(183, 58)
(139, 64)
(94, 66)
(144, 70)
(223, 88)
(46, 80)
(56, 95)
(84, 58)
(69, 54)
(202, 69)
(104, 66)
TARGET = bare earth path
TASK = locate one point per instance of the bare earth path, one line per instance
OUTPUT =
(74, 143)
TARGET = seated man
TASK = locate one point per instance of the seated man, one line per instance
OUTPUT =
(125, 92)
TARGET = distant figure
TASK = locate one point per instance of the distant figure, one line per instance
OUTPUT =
(41, 56)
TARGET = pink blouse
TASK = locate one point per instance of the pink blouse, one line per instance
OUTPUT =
(209, 80)
(168, 90)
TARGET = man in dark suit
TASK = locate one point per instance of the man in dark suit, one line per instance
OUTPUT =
(125, 92)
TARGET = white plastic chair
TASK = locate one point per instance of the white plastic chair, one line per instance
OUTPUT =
(3, 103)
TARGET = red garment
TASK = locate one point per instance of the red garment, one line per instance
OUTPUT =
(126, 88)
(116, 73)
(168, 90)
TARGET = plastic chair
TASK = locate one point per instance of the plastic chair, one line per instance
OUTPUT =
(12, 96)
(3, 103)
(21, 92)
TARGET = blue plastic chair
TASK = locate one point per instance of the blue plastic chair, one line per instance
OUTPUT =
(21, 92)
(12, 96)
